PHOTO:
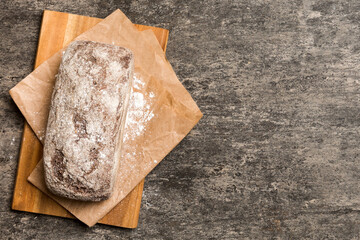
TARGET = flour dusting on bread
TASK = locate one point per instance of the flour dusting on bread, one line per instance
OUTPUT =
(86, 120)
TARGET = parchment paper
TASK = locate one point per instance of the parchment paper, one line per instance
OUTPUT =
(175, 112)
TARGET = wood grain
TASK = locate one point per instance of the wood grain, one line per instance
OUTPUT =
(57, 30)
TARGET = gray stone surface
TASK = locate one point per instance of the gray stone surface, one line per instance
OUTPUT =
(276, 154)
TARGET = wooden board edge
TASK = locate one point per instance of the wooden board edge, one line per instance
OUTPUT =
(16, 186)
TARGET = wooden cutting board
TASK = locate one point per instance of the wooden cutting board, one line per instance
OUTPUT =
(57, 30)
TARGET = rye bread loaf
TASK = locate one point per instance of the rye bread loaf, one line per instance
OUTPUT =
(86, 120)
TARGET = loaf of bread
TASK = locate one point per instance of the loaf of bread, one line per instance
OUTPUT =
(86, 120)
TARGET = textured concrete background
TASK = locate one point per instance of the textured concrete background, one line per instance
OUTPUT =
(277, 153)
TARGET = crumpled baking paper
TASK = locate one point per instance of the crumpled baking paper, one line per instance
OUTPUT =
(175, 112)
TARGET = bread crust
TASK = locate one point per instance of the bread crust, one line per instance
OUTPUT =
(86, 120)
